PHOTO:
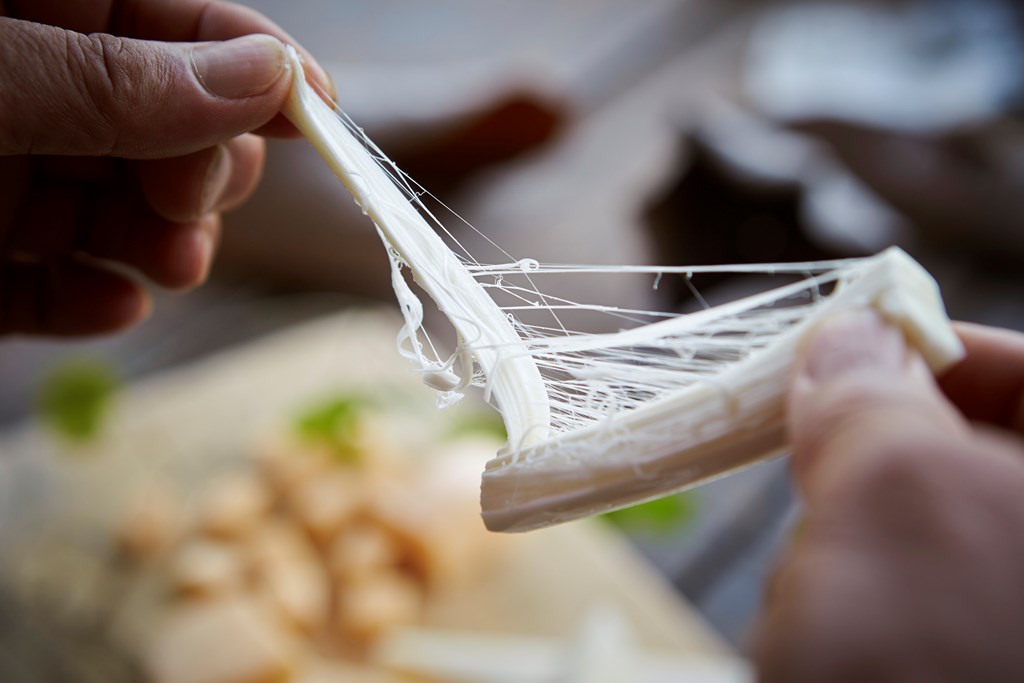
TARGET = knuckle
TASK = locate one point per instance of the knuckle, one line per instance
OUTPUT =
(114, 78)
(19, 49)
(99, 85)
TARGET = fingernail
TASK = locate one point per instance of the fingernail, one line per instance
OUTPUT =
(218, 174)
(242, 67)
(852, 342)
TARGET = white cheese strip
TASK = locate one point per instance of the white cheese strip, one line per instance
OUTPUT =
(514, 380)
(706, 429)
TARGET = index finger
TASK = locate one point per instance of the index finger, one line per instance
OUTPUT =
(988, 384)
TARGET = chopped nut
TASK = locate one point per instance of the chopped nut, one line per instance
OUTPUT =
(297, 587)
(360, 550)
(207, 568)
(149, 525)
(441, 546)
(234, 506)
(324, 505)
(285, 467)
(383, 601)
(276, 541)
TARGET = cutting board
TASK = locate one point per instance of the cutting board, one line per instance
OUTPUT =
(182, 427)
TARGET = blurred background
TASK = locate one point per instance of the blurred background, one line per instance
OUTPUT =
(654, 131)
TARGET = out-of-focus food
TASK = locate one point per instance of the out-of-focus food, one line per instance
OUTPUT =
(122, 577)
(325, 505)
(376, 604)
(296, 584)
(602, 651)
(205, 569)
(148, 525)
(234, 506)
(321, 544)
(362, 551)
(75, 398)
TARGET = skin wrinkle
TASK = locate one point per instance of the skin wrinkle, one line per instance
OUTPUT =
(97, 78)
(98, 83)
(67, 118)
(88, 97)
(110, 67)
(11, 137)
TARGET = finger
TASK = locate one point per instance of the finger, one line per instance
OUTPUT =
(71, 94)
(988, 384)
(58, 219)
(67, 299)
(173, 255)
(203, 20)
(183, 189)
(247, 153)
(859, 392)
(171, 20)
(93, 170)
(46, 224)
(199, 20)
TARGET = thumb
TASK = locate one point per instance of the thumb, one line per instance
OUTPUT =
(68, 93)
(860, 393)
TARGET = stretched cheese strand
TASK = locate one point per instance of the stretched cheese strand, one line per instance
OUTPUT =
(711, 426)
(484, 329)
(622, 417)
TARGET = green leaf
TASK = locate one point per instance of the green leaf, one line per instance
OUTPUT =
(657, 516)
(478, 422)
(75, 398)
(334, 422)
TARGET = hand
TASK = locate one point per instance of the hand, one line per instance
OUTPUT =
(909, 564)
(119, 149)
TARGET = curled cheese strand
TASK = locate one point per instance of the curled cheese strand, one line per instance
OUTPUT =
(513, 378)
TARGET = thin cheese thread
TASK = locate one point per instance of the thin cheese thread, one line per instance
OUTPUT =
(512, 376)
(599, 421)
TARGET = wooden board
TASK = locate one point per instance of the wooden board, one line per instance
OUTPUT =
(179, 428)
